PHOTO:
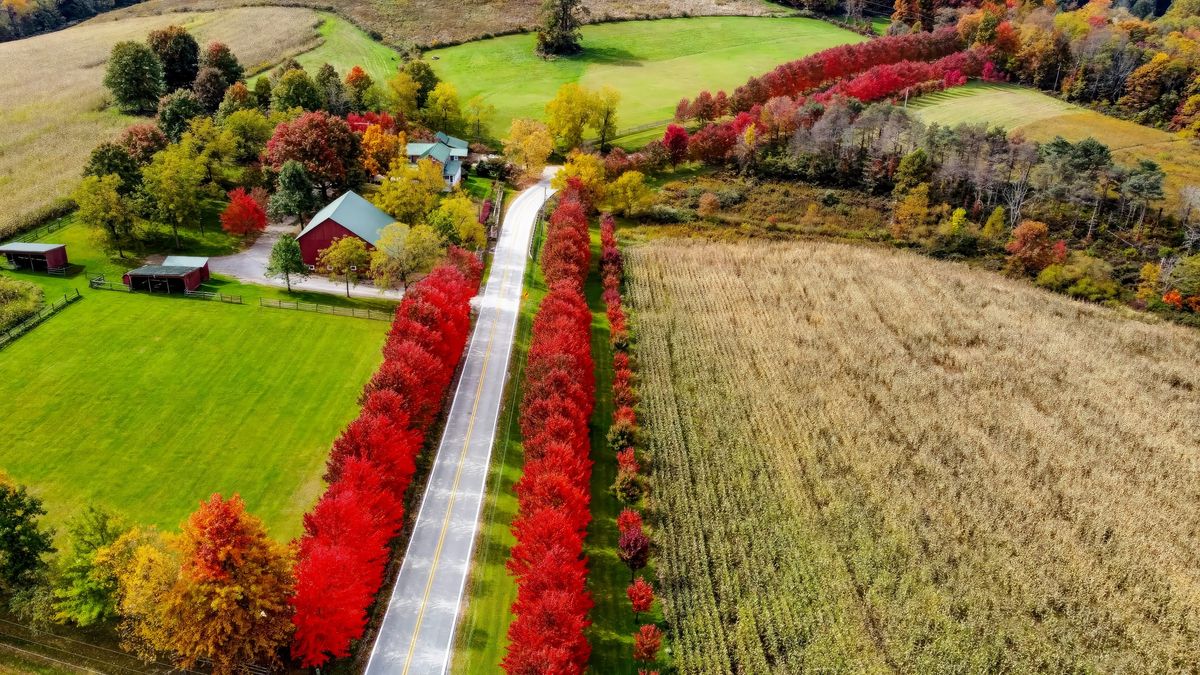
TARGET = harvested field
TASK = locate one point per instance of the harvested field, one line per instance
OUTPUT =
(868, 461)
(52, 101)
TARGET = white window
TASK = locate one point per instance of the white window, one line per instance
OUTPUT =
(354, 268)
(312, 268)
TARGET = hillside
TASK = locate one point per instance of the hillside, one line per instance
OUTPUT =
(52, 109)
(867, 461)
(429, 23)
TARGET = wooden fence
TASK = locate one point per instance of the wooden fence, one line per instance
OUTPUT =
(326, 309)
(38, 233)
(42, 314)
(212, 295)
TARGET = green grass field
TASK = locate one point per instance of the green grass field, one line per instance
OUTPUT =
(652, 63)
(345, 45)
(482, 636)
(148, 404)
(1042, 117)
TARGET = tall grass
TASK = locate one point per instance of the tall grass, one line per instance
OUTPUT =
(868, 461)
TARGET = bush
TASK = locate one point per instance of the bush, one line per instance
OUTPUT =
(1081, 276)
(661, 213)
(18, 301)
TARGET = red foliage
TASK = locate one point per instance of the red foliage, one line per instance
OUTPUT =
(641, 596)
(548, 633)
(627, 461)
(633, 548)
(628, 519)
(647, 642)
(344, 550)
(1173, 298)
(359, 122)
(1030, 249)
(218, 530)
(713, 144)
(675, 140)
(243, 215)
(321, 142)
(142, 141)
(893, 78)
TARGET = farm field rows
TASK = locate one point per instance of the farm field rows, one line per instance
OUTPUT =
(1042, 117)
(869, 461)
(148, 404)
(52, 100)
(652, 63)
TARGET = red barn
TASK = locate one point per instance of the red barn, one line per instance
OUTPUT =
(36, 257)
(347, 216)
(182, 274)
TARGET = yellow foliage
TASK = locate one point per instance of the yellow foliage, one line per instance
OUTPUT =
(528, 146)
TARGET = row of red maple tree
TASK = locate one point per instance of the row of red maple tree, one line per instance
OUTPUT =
(344, 551)
(547, 634)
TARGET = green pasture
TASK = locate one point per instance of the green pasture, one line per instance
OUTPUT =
(148, 404)
(652, 63)
(344, 45)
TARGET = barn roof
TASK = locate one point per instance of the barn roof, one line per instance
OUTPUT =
(162, 271)
(184, 261)
(353, 213)
(22, 247)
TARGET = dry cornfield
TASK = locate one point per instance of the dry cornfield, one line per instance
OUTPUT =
(868, 461)
(52, 98)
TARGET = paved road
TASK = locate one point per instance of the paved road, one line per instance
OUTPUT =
(418, 630)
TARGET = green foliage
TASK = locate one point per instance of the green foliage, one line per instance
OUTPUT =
(176, 111)
(102, 206)
(332, 91)
(134, 77)
(24, 544)
(346, 258)
(296, 89)
(915, 168)
(262, 91)
(294, 192)
(286, 261)
(175, 182)
(18, 300)
(248, 132)
(179, 54)
(1186, 276)
(559, 32)
(112, 158)
(995, 230)
(422, 73)
(1081, 276)
(218, 55)
(84, 592)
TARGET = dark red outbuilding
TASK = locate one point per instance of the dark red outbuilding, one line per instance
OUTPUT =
(175, 278)
(36, 257)
(347, 216)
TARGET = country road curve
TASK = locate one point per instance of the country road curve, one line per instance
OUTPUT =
(417, 633)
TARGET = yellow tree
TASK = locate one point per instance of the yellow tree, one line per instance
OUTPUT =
(911, 213)
(346, 259)
(479, 114)
(102, 206)
(604, 115)
(410, 192)
(457, 222)
(403, 251)
(528, 146)
(405, 92)
(380, 148)
(442, 111)
(589, 169)
(146, 568)
(629, 193)
(570, 112)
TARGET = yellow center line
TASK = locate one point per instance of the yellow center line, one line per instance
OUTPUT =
(437, 554)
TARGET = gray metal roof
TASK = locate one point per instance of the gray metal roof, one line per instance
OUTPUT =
(22, 247)
(161, 270)
(355, 214)
(184, 261)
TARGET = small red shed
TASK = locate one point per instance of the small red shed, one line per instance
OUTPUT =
(36, 257)
(165, 278)
(347, 216)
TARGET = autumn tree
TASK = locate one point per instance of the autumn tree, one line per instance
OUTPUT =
(84, 592)
(422, 73)
(243, 215)
(245, 133)
(403, 251)
(325, 145)
(1030, 248)
(559, 32)
(176, 111)
(102, 206)
(995, 229)
(293, 192)
(346, 259)
(229, 605)
(175, 182)
(528, 146)
(442, 111)
(404, 90)
(237, 97)
(641, 597)
(569, 113)
(358, 82)
(456, 222)
(179, 54)
(134, 77)
(142, 141)
(209, 89)
(587, 169)
(675, 140)
(295, 89)
(604, 115)
(380, 148)
(911, 213)
(913, 170)
(113, 158)
(633, 548)
(646, 643)
(410, 192)
(629, 193)
(478, 116)
(24, 544)
(286, 261)
(218, 55)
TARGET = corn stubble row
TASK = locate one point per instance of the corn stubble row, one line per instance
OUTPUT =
(868, 461)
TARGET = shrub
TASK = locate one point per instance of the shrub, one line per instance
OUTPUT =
(1082, 276)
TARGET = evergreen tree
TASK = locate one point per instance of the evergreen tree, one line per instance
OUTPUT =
(294, 192)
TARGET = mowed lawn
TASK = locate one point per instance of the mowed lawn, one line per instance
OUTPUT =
(148, 404)
(1042, 117)
(344, 45)
(652, 63)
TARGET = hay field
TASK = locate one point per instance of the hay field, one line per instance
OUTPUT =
(430, 23)
(868, 461)
(1042, 117)
(52, 98)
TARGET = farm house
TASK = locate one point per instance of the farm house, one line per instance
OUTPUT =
(36, 257)
(347, 216)
(449, 153)
(176, 274)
